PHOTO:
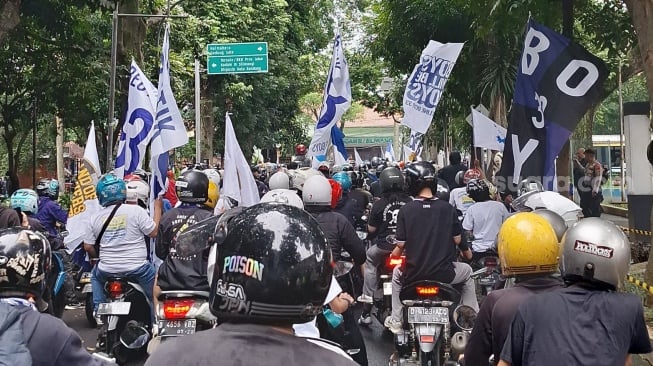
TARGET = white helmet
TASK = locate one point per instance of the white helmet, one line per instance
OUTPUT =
(595, 250)
(285, 196)
(279, 180)
(301, 175)
(137, 190)
(317, 191)
(213, 176)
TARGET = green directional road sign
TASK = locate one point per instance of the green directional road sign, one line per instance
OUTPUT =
(237, 58)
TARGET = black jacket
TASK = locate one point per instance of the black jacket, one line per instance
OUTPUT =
(448, 174)
(349, 207)
(48, 339)
(340, 233)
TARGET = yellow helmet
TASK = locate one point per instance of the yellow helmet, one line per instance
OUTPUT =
(527, 244)
(214, 195)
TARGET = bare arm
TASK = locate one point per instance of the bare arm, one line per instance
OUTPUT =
(158, 209)
(90, 249)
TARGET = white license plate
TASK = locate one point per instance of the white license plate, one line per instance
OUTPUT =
(175, 328)
(387, 288)
(87, 288)
(428, 315)
(114, 308)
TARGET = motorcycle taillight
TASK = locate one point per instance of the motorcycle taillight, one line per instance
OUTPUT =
(427, 290)
(115, 289)
(177, 308)
(391, 262)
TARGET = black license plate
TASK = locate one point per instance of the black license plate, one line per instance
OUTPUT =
(175, 328)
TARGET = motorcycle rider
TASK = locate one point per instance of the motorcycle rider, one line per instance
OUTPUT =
(279, 284)
(459, 198)
(382, 222)
(279, 180)
(347, 205)
(258, 178)
(26, 202)
(320, 197)
(50, 212)
(573, 326)
(27, 336)
(428, 233)
(483, 219)
(122, 247)
(448, 173)
(529, 252)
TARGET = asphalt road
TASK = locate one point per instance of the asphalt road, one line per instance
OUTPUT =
(379, 344)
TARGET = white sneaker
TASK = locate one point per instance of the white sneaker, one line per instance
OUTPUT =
(365, 299)
(393, 325)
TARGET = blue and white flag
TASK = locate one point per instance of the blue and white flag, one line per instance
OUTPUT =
(357, 159)
(426, 84)
(390, 152)
(169, 130)
(337, 99)
(238, 182)
(137, 129)
(339, 151)
(487, 133)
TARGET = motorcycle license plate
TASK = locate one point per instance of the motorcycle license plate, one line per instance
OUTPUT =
(175, 328)
(86, 277)
(114, 308)
(387, 288)
(428, 315)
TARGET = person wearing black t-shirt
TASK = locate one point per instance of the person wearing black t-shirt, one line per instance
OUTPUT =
(448, 173)
(588, 322)
(382, 222)
(428, 234)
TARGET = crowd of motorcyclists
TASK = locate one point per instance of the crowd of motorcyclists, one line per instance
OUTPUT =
(269, 269)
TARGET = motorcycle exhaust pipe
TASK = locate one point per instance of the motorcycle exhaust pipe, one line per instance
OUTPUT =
(459, 342)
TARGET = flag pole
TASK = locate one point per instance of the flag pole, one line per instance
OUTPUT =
(198, 121)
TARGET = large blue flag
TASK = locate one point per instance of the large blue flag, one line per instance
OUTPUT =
(337, 99)
(557, 82)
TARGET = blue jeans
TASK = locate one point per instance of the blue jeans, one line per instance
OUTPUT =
(143, 275)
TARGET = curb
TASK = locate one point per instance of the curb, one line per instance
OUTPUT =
(616, 211)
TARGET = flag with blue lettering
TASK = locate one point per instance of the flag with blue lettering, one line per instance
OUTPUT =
(557, 82)
(169, 131)
(337, 99)
(137, 129)
(339, 150)
(426, 84)
(487, 133)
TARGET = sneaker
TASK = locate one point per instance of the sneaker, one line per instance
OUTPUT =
(393, 325)
(74, 306)
(365, 319)
(365, 299)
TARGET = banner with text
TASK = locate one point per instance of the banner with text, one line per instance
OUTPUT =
(426, 84)
(557, 82)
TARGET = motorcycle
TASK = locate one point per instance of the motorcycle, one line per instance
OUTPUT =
(181, 313)
(82, 272)
(486, 275)
(127, 319)
(436, 328)
(55, 295)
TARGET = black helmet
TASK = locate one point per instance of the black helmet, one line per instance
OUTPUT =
(48, 187)
(376, 161)
(192, 187)
(272, 265)
(356, 179)
(442, 190)
(391, 180)
(478, 190)
(460, 178)
(420, 175)
(380, 169)
(24, 262)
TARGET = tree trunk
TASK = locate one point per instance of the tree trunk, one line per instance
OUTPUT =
(642, 13)
(9, 17)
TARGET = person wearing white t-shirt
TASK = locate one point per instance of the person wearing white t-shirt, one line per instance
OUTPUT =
(123, 251)
(459, 198)
(483, 219)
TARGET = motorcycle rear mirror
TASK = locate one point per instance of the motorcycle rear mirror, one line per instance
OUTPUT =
(134, 336)
(464, 316)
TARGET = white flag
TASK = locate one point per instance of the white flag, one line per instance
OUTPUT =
(137, 127)
(359, 161)
(84, 202)
(169, 130)
(390, 152)
(238, 182)
(487, 133)
(337, 99)
(426, 84)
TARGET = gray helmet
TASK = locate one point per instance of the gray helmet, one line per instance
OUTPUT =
(556, 221)
(529, 185)
(597, 251)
